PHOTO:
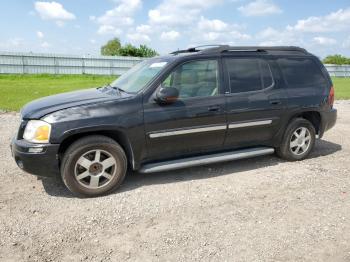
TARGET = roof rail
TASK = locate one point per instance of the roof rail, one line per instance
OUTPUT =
(200, 49)
(227, 48)
(265, 48)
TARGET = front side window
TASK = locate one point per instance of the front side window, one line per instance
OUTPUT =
(195, 79)
(248, 74)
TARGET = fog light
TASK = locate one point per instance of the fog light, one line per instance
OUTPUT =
(19, 164)
(35, 150)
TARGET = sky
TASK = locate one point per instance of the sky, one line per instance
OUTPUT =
(83, 26)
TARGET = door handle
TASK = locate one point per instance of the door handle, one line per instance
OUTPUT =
(214, 108)
(275, 102)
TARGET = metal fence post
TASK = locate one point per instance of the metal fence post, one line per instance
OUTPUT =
(111, 67)
(23, 72)
(56, 69)
(83, 64)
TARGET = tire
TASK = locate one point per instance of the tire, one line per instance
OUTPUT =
(93, 166)
(289, 148)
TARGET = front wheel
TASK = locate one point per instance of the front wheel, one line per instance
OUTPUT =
(298, 140)
(93, 166)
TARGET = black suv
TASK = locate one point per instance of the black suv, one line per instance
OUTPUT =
(192, 107)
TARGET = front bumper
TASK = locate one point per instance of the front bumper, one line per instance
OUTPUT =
(36, 159)
(328, 120)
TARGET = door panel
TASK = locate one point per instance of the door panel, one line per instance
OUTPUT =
(254, 117)
(196, 122)
(185, 127)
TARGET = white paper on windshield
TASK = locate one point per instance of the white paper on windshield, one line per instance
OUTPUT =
(159, 64)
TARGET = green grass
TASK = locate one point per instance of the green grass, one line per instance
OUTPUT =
(17, 90)
(342, 88)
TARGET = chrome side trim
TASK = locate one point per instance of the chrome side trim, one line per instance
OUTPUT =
(187, 131)
(246, 124)
(204, 160)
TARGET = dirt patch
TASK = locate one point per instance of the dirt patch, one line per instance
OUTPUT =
(261, 209)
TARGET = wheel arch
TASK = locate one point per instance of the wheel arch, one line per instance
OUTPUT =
(314, 117)
(117, 135)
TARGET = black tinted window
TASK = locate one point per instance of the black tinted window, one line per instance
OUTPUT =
(266, 74)
(248, 74)
(194, 79)
(300, 72)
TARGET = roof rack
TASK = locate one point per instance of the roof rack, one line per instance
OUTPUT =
(227, 48)
(199, 49)
(265, 48)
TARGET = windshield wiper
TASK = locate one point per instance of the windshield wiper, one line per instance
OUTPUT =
(120, 90)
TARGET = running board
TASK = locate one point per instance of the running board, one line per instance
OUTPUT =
(206, 159)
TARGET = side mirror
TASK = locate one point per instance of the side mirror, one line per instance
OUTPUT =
(167, 95)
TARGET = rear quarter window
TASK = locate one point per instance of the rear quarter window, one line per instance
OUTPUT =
(301, 72)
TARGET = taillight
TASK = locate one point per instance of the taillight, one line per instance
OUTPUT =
(331, 97)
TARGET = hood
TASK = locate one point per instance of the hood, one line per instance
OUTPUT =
(43, 106)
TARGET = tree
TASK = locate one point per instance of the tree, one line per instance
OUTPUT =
(112, 47)
(129, 50)
(337, 60)
(145, 51)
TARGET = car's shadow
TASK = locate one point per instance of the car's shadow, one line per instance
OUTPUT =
(55, 186)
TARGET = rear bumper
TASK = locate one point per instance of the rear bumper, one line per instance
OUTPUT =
(329, 118)
(36, 159)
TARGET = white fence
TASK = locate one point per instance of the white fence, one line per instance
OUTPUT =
(29, 63)
(338, 70)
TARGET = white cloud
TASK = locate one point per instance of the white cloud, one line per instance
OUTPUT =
(140, 34)
(325, 41)
(120, 16)
(336, 21)
(272, 37)
(45, 45)
(268, 33)
(144, 29)
(212, 25)
(60, 23)
(179, 12)
(346, 43)
(40, 34)
(138, 38)
(223, 37)
(216, 31)
(12, 43)
(109, 29)
(305, 33)
(170, 35)
(53, 11)
(260, 8)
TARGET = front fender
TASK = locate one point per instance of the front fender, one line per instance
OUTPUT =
(122, 120)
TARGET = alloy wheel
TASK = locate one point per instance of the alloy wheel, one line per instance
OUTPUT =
(95, 169)
(300, 141)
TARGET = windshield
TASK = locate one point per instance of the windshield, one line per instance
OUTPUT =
(140, 75)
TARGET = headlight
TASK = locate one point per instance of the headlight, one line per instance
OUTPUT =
(37, 131)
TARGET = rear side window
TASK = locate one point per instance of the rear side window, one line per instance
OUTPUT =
(301, 72)
(248, 74)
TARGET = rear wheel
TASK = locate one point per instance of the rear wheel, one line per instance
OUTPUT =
(298, 140)
(93, 166)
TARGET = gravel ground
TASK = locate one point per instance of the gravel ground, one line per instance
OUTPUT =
(261, 209)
